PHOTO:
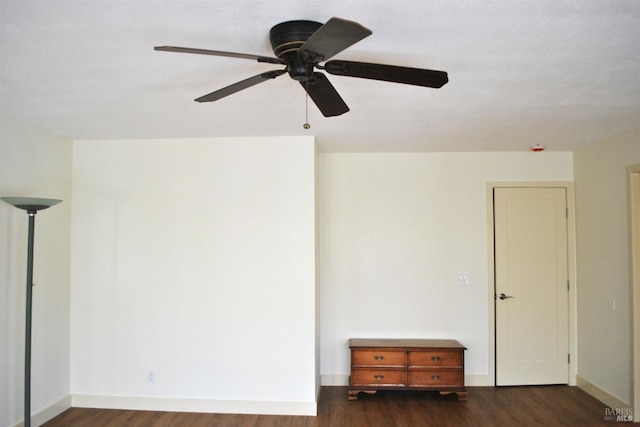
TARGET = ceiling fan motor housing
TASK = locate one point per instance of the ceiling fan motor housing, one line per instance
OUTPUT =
(286, 39)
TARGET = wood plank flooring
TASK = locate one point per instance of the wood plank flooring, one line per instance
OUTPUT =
(485, 406)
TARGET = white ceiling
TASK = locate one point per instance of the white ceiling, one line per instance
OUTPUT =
(560, 73)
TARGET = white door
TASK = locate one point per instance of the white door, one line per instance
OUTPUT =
(531, 286)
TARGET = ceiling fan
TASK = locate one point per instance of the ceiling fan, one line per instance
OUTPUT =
(302, 46)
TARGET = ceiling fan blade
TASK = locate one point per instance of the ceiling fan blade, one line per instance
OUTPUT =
(324, 95)
(333, 37)
(219, 53)
(389, 73)
(237, 87)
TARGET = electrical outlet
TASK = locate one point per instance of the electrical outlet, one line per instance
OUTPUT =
(151, 376)
(612, 304)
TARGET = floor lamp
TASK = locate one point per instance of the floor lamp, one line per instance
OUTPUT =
(32, 205)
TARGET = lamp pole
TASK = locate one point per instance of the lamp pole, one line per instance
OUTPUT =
(32, 205)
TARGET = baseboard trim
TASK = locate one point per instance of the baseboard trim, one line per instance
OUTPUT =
(469, 380)
(479, 381)
(334, 380)
(48, 413)
(600, 394)
(142, 403)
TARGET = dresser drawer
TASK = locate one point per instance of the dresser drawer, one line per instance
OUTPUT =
(378, 377)
(436, 378)
(382, 357)
(435, 358)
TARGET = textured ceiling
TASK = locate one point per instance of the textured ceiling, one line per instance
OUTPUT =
(560, 73)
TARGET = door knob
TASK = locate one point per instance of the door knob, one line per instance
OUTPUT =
(503, 296)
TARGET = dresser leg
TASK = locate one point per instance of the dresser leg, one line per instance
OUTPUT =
(353, 394)
(462, 395)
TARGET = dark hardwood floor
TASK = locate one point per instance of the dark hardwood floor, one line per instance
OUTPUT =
(485, 406)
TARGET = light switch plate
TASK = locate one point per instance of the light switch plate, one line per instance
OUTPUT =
(462, 278)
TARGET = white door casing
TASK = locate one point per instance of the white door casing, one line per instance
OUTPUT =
(634, 263)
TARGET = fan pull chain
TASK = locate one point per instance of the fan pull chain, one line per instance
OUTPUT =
(306, 124)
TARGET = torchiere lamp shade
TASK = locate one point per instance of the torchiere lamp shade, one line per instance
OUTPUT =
(31, 203)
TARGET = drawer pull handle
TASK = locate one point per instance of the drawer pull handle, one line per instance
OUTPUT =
(436, 358)
(378, 377)
(378, 357)
(435, 377)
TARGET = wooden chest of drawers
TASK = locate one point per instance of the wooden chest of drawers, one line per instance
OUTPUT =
(406, 364)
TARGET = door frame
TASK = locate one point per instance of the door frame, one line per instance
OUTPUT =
(633, 196)
(571, 264)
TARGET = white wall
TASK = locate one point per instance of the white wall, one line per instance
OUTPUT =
(195, 259)
(394, 231)
(603, 263)
(34, 164)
